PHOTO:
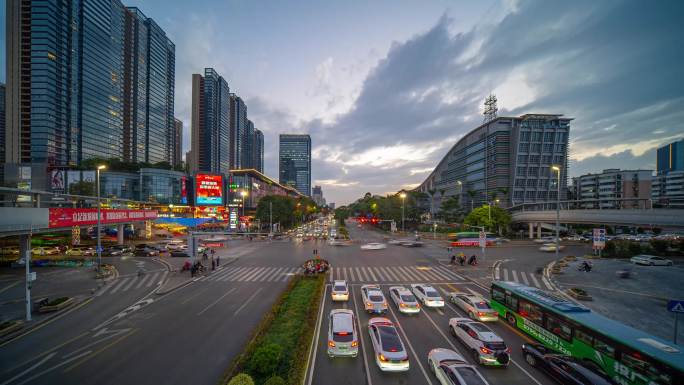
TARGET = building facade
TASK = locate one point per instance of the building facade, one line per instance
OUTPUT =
(238, 131)
(670, 157)
(613, 188)
(2, 133)
(177, 153)
(258, 153)
(506, 160)
(317, 195)
(210, 124)
(295, 162)
(71, 68)
(668, 189)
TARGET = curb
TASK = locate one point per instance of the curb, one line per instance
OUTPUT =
(188, 281)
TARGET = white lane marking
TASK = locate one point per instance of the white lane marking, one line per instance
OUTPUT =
(401, 275)
(215, 302)
(312, 354)
(242, 274)
(344, 273)
(451, 273)
(515, 275)
(247, 302)
(505, 274)
(365, 276)
(524, 278)
(269, 274)
(221, 273)
(382, 276)
(275, 274)
(439, 273)
(230, 276)
(255, 272)
(260, 277)
(332, 274)
(163, 277)
(104, 289)
(441, 332)
(546, 282)
(358, 274)
(54, 367)
(352, 278)
(363, 345)
(123, 282)
(142, 281)
(371, 275)
(392, 274)
(534, 280)
(287, 273)
(418, 360)
(420, 273)
(497, 272)
(410, 273)
(433, 276)
(473, 292)
(37, 364)
(131, 283)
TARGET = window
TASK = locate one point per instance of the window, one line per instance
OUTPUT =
(531, 183)
(512, 302)
(529, 195)
(546, 159)
(541, 195)
(524, 147)
(530, 311)
(534, 158)
(604, 348)
(521, 171)
(559, 328)
(558, 159)
(543, 183)
(525, 136)
(518, 194)
(522, 158)
(640, 364)
(548, 137)
(533, 171)
(548, 147)
(582, 336)
(545, 171)
(520, 183)
(536, 136)
(536, 147)
(560, 147)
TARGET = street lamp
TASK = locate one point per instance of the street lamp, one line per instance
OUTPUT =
(243, 194)
(558, 170)
(99, 244)
(489, 205)
(403, 198)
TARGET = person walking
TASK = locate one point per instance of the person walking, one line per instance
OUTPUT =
(213, 264)
(218, 260)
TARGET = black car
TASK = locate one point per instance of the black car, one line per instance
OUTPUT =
(180, 254)
(565, 370)
(145, 250)
(118, 250)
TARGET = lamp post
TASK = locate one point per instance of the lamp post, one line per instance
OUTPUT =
(99, 244)
(558, 170)
(243, 194)
(460, 191)
(489, 206)
(403, 198)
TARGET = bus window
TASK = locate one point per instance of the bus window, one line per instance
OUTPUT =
(604, 348)
(559, 328)
(584, 337)
(531, 312)
(640, 364)
(512, 302)
(498, 295)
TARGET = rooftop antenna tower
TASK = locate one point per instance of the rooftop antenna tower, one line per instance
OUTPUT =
(490, 108)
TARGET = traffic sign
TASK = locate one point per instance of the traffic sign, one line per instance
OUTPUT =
(32, 276)
(483, 239)
(599, 239)
(675, 306)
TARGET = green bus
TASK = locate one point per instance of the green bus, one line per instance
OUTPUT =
(628, 355)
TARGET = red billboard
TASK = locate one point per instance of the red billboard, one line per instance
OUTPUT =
(67, 217)
(208, 189)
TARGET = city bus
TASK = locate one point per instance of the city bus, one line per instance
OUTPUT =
(468, 239)
(628, 355)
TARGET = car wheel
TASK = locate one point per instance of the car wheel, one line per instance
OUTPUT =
(510, 318)
(650, 264)
(669, 264)
(432, 368)
(452, 330)
(530, 359)
(476, 356)
(471, 315)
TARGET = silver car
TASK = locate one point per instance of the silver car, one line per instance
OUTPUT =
(373, 299)
(405, 301)
(476, 307)
(340, 290)
(390, 354)
(343, 339)
(451, 368)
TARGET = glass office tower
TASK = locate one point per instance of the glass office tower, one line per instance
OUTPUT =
(295, 162)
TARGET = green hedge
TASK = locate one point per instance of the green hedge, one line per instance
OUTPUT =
(279, 345)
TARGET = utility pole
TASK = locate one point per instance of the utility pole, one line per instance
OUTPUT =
(270, 214)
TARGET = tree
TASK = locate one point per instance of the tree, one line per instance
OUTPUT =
(450, 209)
(241, 379)
(283, 209)
(480, 217)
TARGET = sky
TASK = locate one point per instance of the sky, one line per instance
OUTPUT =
(386, 88)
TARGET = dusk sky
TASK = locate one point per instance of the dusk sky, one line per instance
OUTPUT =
(394, 84)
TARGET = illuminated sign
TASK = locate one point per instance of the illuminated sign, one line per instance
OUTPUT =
(208, 189)
(184, 190)
(68, 217)
(233, 217)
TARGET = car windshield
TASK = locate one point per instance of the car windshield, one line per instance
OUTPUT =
(432, 294)
(390, 340)
(375, 298)
(482, 305)
(469, 375)
(340, 288)
(408, 298)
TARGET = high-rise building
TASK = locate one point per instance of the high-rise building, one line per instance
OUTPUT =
(2, 133)
(258, 161)
(210, 124)
(670, 157)
(238, 131)
(317, 195)
(612, 188)
(75, 72)
(295, 162)
(177, 153)
(506, 159)
(248, 144)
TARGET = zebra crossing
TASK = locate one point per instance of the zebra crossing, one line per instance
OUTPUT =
(134, 282)
(394, 274)
(252, 274)
(526, 278)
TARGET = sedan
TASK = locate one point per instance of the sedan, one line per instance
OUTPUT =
(373, 246)
(565, 369)
(45, 250)
(427, 295)
(549, 247)
(476, 307)
(404, 300)
(389, 352)
(650, 260)
(340, 291)
(451, 368)
(486, 346)
(373, 299)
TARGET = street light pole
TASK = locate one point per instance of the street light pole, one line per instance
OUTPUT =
(403, 198)
(558, 170)
(99, 244)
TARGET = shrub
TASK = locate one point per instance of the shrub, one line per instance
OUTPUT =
(634, 248)
(659, 246)
(241, 379)
(275, 380)
(265, 359)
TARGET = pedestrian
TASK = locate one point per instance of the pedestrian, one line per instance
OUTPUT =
(193, 269)
(218, 259)
(213, 264)
(212, 251)
(461, 259)
(453, 260)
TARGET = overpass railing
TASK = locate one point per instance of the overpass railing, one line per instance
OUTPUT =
(600, 204)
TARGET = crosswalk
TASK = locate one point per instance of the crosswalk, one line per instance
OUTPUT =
(252, 274)
(394, 274)
(526, 278)
(125, 283)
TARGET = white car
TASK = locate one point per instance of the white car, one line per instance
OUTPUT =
(373, 246)
(397, 241)
(427, 295)
(650, 260)
(476, 307)
(551, 247)
(486, 346)
(343, 339)
(388, 349)
(545, 240)
(451, 368)
(404, 300)
(340, 291)
(373, 299)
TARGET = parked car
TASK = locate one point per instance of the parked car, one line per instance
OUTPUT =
(565, 369)
(373, 299)
(486, 346)
(343, 338)
(650, 260)
(179, 254)
(388, 349)
(117, 250)
(451, 368)
(9, 250)
(476, 307)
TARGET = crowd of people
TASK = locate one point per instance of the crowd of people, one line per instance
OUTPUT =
(461, 257)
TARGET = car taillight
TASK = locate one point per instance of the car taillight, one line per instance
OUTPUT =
(418, 305)
(485, 350)
(368, 304)
(384, 304)
(382, 358)
(331, 344)
(355, 344)
(402, 305)
(481, 314)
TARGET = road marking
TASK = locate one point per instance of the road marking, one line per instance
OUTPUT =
(266, 277)
(11, 285)
(331, 271)
(37, 364)
(431, 273)
(222, 273)
(421, 274)
(260, 276)
(370, 272)
(410, 273)
(451, 273)
(87, 357)
(497, 272)
(287, 273)
(163, 277)
(524, 278)
(382, 276)
(546, 282)
(253, 273)
(142, 281)
(515, 275)
(275, 274)
(215, 302)
(129, 285)
(534, 280)
(344, 272)
(439, 273)
(401, 329)
(312, 352)
(46, 352)
(248, 301)
(363, 345)
(351, 274)
(119, 286)
(505, 274)
(242, 274)
(53, 368)
(362, 270)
